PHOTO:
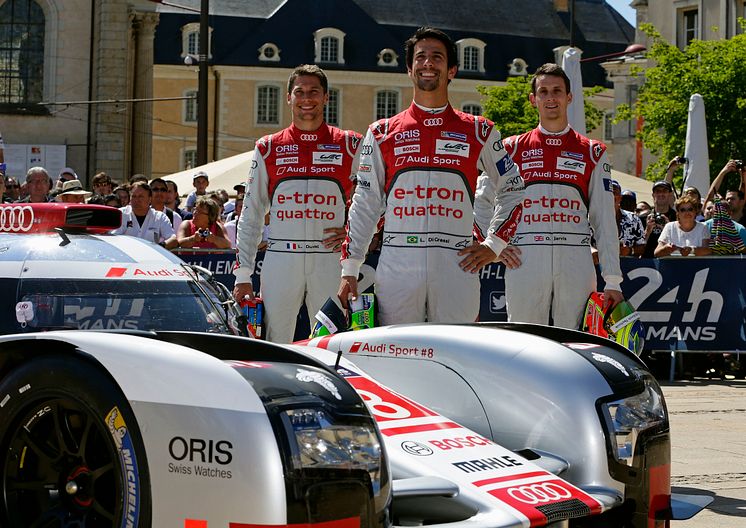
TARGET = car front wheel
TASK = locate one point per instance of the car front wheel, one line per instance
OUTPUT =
(70, 448)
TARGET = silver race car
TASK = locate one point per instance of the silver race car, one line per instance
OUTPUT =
(137, 429)
(483, 425)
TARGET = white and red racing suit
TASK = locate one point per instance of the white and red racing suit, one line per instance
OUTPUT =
(568, 183)
(303, 179)
(420, 171)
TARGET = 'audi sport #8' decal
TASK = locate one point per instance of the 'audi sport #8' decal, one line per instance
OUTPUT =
(474, 462)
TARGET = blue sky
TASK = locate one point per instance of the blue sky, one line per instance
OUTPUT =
(623, 7)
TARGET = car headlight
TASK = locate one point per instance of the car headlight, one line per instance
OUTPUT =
(628, 417)
(320, 443)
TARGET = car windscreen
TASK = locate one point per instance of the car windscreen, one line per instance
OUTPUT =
(110, 305)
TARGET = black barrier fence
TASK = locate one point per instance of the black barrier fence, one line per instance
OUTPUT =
(686, 303)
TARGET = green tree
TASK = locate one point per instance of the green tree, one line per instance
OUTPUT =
(715, 69)
(509, 108)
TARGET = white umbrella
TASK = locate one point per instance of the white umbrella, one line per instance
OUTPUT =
(223, 174)
(697, 168)
(576, 110)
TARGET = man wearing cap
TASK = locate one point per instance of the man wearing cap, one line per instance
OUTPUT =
(200, 180)
(655, 219)
(568, 192)
(302, 177)
(65, 175)
(142, 221)
(72, 192)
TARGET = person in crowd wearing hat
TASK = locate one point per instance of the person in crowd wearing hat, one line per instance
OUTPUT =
(142, 221)
(102, 184)
(158, 202)
(661, 214)
(642, 208)
(12, 189)
(230, 210)
(38, 184)
(65, 175)
(72, 192)
(629, 200)
(684, 236)
(200, 180)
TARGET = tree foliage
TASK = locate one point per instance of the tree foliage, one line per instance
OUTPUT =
(716, 70)
(509, 108)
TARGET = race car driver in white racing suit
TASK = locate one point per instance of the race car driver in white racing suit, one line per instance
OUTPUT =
(303, 178)
(568, 183)
(420, 170)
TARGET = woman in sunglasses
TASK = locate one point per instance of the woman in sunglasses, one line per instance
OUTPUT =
(684, 236)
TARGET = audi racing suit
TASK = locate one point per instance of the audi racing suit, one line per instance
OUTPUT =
(303, 179)
(421, 170)
(568, 183)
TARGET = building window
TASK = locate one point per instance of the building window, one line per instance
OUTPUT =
(268, 105)
(190, 41)
(190, 107)
(329, 45)
(21, 52)
(388, 57)
(471, 55)
(688, 26)
(331, 110)
(387, 103)
(269, 52)
(189, 158)
(472, 108)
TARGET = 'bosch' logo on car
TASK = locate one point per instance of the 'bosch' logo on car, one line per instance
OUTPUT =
(554, 141)
(309, 137)
(433, 121)
(539, 493)
(16, 219)
(416, 449)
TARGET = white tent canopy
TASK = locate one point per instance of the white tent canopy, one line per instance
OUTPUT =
(642, 187)
(223, 174)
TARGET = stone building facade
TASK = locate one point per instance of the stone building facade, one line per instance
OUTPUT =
(99, 50)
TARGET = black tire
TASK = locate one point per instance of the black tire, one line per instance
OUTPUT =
(71, 454)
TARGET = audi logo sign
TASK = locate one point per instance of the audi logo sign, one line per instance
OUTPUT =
(554, 141)
(539, 493)
(433, 121)
(16, 219)
(308, 137)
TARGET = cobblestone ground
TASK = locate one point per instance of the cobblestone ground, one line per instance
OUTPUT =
(708, 455)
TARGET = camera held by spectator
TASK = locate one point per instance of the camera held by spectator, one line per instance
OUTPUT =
(739, 164)
(681, 160)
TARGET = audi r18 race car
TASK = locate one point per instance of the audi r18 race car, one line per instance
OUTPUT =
(566, 404)
(134, 428)
(494, 426)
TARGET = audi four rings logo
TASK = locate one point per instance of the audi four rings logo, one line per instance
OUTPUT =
(554, 141)
(308, 137)
(433, 121)
(16, 219)
(539, 493)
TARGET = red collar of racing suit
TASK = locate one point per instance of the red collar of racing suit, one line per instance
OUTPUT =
(320, 135)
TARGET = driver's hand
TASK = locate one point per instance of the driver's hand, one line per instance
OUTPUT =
(612, 298)
(242, 291)
(347, 289)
